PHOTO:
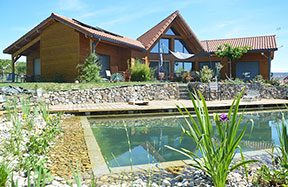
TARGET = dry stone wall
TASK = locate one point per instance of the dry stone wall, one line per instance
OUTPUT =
(114, 94)
(229, 91)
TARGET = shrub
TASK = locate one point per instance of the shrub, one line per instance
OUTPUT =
(258, 79)
(205, 74)
(236, 81)
(275, 81)
(140, 72)
(90, 69)
(218, 151)
(116, 77)
(186, 77)
(58, 78)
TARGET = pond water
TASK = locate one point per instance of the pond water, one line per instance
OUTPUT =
(149, 135)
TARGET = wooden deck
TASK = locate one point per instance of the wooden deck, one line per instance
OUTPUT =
(159, 106)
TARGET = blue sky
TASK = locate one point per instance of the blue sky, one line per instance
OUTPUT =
(208, 19)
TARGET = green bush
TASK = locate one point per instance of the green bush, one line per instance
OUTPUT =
(3, 174)
(140, 72)
(90, 69)
(258, 79)
(275, 81)
(58, 78)
(205, 74)
(219, 148)
(116, 77)
(186, 77)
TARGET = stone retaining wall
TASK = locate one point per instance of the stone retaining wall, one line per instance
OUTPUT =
(114, 94)
(229, 91)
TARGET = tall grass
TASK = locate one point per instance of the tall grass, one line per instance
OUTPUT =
(283, 139)
(218, 151)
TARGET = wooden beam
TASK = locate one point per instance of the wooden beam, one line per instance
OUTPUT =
(26, 47)
(132, 62)
(91, 46)
(13, 68)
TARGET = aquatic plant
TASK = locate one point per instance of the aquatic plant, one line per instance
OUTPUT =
(283, 148)
(278, 174)
(218, 151)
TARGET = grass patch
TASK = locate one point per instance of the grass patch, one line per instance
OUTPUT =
(49, 86)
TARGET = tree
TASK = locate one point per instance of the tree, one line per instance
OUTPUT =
(90, 69)
(6, 66)
(231, 53)
(20, 68)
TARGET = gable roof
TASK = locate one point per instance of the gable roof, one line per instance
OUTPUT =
(256, 42)
(151, 36)
(93, 32)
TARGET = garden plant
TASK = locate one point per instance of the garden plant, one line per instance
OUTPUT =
(217, 149)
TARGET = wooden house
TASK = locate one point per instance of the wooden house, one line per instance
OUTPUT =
(58, 44)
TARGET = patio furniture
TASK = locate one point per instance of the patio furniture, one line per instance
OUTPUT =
(108, 74)
(253, 93)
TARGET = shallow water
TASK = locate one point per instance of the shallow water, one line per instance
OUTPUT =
(149, 135)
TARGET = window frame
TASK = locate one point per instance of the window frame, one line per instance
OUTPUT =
(159, 45)
(183, 46)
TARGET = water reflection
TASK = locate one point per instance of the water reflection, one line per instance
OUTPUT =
(148, 137)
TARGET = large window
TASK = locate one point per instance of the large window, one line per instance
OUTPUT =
(163, 44)
(183, 66)
(155, 65)
(180, 47)
(171, 32)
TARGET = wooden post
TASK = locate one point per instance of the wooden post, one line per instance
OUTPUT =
(146, 61)
(13, 69)
(132, 62)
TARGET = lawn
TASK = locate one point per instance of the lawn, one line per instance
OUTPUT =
(49, 86)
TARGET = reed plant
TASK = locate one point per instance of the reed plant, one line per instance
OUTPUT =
(278, 175)
(282, 132)
(218, 151)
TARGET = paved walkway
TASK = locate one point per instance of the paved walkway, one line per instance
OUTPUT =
(158, 105)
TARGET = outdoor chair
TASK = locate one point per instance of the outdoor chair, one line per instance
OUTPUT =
(253, 93)
(108, 74)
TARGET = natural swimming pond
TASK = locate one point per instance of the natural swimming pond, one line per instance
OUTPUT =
(148, 137)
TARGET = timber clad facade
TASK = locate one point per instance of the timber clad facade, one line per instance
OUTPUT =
(57, 45)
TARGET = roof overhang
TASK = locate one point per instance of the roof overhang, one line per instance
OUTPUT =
(36, 31)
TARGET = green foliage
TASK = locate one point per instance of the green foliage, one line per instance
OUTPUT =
(186, 77)
(205, 74)
(267, 177)
(90, 69)
(231, 53)
(236, 81)
(217, 149)
(58, 78)
(116, 77)
(278, 175)
(20, 68)
(39, 140)
(258, 79)
(282, 132)
(3, 174)
(275, 81)
(6, 65)
(140, 72)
